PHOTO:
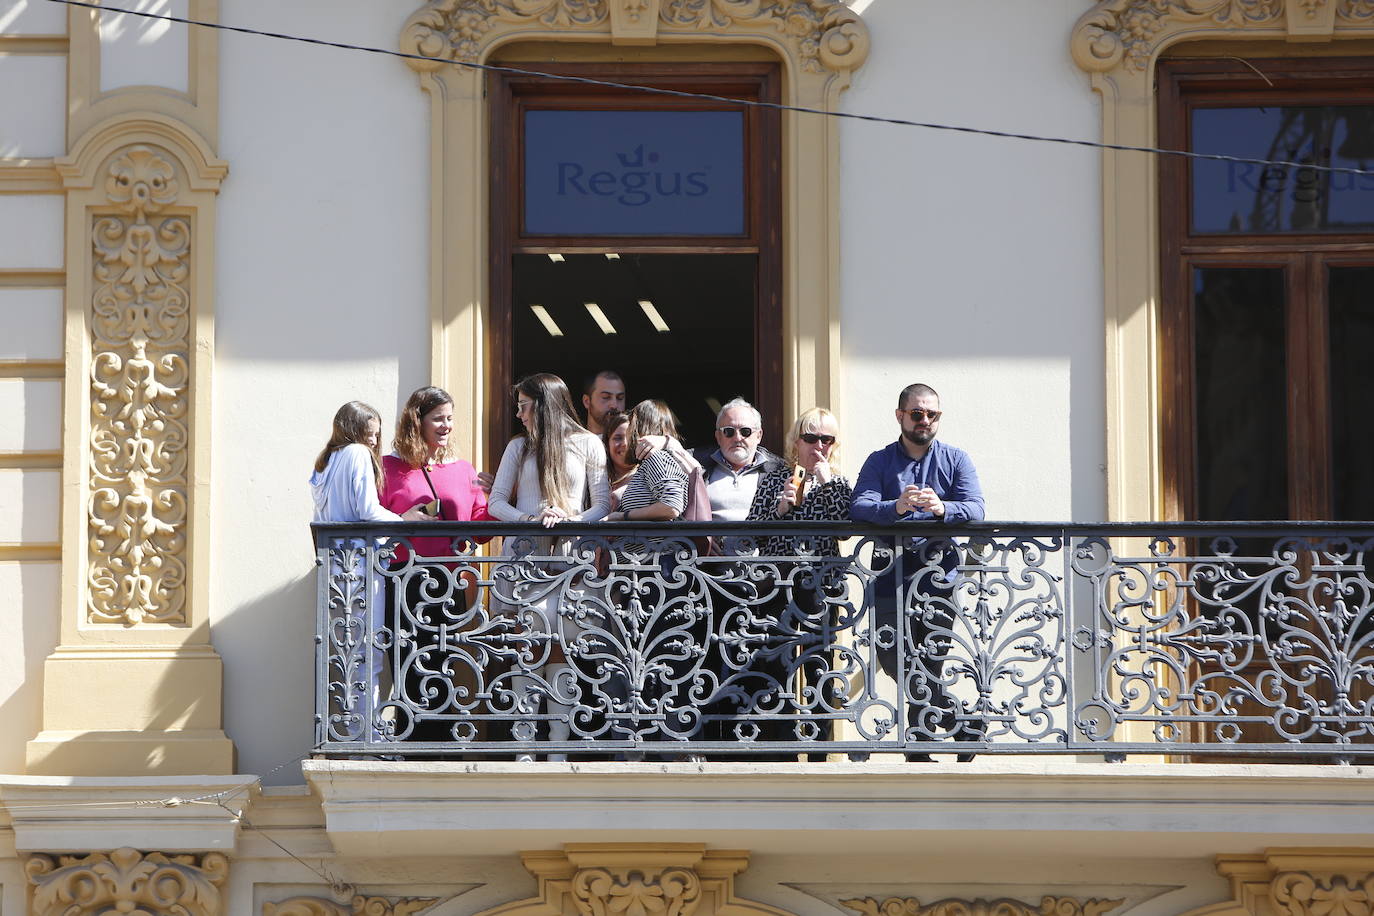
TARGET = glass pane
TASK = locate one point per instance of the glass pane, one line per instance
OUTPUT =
(1235, 197)
(1351, 293)
(632, 173)
(1242, 420)
(679, 327)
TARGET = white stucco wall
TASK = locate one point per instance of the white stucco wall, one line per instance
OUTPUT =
(971, 263)
(321, 298)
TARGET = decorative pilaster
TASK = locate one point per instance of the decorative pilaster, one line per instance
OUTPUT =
(134, 688)
(127, 881)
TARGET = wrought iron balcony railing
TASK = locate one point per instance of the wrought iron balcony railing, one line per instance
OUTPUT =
(627, 641)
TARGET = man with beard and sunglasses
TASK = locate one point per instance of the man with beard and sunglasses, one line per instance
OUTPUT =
(922, 480)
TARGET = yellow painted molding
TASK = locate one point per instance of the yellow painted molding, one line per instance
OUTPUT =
(35, 279)
(819, 43)
(32, 552)
(29, 176)
(1287, 881)
(663, 879)
(1119, 42)
(961, 906)
(360, 905)
(80, 168)
(33, 44)
(32, 368)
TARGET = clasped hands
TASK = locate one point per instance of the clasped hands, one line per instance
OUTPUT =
(916, 499)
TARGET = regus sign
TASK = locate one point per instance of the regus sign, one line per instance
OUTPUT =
(634, 173)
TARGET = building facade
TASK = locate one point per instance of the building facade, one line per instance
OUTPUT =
(209, 239)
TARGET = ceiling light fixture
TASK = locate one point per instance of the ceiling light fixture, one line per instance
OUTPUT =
(612, 256)
(600, 318)
(654, 317)
(546, 320)
(555, 257)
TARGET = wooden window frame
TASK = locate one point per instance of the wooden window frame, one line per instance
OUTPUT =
(1305, 257)
(510, 95)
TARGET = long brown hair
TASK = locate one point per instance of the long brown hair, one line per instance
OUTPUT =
(409, 443)
(648, 418)
(552, 421)
(350, 426)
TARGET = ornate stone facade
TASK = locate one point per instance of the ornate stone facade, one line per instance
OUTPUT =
(1129, 33)
(127, 881)
(825, 34)
(140, 333)
(911, 906)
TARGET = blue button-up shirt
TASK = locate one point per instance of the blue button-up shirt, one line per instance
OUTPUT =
(945, 469)
(887, 472)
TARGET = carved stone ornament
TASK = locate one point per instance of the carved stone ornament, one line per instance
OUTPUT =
(360, 905)
(825, 34)
(669, 892)
(1303, 894)
(127, 881)
(140, 333)
(1127, 33)
(1049, 906)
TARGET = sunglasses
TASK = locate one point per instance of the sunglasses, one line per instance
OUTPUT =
(813, 438)
(917, 413)
(744, 431)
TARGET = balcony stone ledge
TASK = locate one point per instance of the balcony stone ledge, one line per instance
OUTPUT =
(80, 813)
(989, 806)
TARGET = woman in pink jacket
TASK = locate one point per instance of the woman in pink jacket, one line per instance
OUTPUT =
(424, 468)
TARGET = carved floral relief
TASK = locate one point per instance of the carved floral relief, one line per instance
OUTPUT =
(1303, 894)
(127, 881)
(140, 332)
(1125, 32)
(911, 906)
(668, 892)
(360, 905)
(826, 34)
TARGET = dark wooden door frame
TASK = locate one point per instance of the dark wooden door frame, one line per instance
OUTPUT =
(510, 95)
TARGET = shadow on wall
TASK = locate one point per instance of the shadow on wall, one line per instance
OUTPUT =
(32, 591)
(267, 645)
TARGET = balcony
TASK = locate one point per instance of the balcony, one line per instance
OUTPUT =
(1233, 643)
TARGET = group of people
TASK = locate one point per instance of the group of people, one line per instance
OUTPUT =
(619, 465)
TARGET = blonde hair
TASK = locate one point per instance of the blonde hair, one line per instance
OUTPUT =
(350, 426)
(409, 443)
(810, 422)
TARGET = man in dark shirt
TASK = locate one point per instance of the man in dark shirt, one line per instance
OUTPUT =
(920, 479)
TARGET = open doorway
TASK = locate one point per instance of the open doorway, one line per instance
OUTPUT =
(677, 327)
(639, 233)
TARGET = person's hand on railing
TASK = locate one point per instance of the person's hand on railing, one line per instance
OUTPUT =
(549, 516)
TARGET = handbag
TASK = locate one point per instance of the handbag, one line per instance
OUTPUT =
(699, 510)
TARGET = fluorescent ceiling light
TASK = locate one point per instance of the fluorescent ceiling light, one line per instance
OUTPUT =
(714, 405)
(654, 317)
(612, 256)
(600, 318)
(546, 320)
(555, 257)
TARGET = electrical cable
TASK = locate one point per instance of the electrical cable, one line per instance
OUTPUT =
(754, 103)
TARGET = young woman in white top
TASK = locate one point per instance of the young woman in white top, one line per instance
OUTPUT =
(346, 485)
(555, 472)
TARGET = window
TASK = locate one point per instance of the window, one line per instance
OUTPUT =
(1268, 290)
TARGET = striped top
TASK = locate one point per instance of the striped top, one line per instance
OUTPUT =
(660, 478)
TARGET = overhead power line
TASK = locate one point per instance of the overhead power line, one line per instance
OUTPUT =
(754, 103)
